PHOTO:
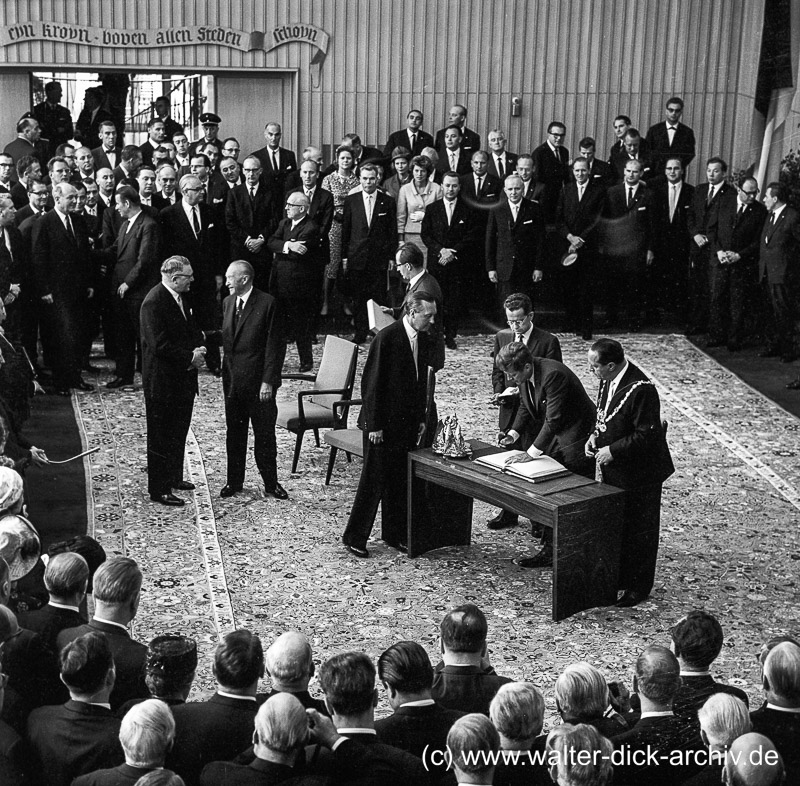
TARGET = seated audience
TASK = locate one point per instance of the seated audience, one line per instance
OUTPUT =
(160, 778)
(754, 761)
(472, 742)
(80, 736)
(90, 550)
(696, 642)
(582, 696)
(464, 680)
(582, 756)
(221, 727)
(290, 666)
(418, 721)
(146, 734)
(13, 759)
(779, 719)
(117, 585)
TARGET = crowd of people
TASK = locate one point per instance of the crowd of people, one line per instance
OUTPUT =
(83, 703)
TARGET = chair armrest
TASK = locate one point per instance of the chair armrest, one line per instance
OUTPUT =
(315, 392)
(340, 419)
(305, 377)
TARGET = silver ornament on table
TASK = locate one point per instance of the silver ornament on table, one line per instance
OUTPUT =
(449, 440)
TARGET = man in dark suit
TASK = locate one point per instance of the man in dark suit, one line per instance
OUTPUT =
(514, 240)
(221, 727)
(134, 256)
(580, 208)
(277, 163)
(249, 217)
(68, 740)
(630, 449)
(27, 142)
(92, 117)
(130, 162)
(116, 589)
(621, 125)
(671, 138)
(551, 169)
(600, 172)
(290, 667)
(734, 236)
(54, 119)
(628, 241)
(412, 137)
(470, 141)
(369, 240)
(295, 273)
(453, 157)
(705, 201)
(501, 162)
(172, 351)
(190, 230)
(108, 154)
(554, 412)
(448, 233)
(156, 134)
(778, 271)
(62, 274)
(668, 282)
(394, 390)
(254, 343)
(634, 148)
(14, 268)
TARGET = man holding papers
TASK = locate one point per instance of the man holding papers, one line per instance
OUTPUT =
(553, 397)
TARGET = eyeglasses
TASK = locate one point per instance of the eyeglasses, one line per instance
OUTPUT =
(512, 322)
(750, 193)
(194, 189)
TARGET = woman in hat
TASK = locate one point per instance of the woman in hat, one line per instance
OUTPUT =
(401, 159)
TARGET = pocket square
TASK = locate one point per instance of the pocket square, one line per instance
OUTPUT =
(381, 214)
(641, 208)
(460, 220)
(211, 226)
(529, 221)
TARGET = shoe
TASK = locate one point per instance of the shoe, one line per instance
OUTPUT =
(450, 343)
(788, 357)
(769, 352)
(794, 384)
(277, 491)
(118, 382)
(715, 343)
(183, 485)
(630, 598)
(503, 520)
(356, 551)
(228, 491)
(81, 385)
(304, 367)
(544, 559)
(168, 499)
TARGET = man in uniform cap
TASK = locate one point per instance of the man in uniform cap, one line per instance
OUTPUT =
(210, 122)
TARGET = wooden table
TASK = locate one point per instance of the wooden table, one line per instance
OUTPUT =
(586, 519)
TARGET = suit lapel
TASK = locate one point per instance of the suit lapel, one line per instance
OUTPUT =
(248, 307)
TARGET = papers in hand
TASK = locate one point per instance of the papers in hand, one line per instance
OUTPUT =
(378, 319)
(509, 392)
(536, 470)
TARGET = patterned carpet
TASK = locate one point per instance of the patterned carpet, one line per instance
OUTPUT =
(729, 542)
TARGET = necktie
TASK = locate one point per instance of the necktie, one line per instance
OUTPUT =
(514, 211)
(448, 206)
(309, 194)
(517, 336)
(739, 213)
(630, 196)
(252, 194)
(453, 162)
(415, 353)
(237, 314)
(413, 141)
(501, 170)
(3, 239)
(710, 195)
(369, 210)
(195, 222)
(580, 192)
(180, 304)
(671, 134)
(274, 161)
(478, 181)
(69, 229)
(673, 200)
(772, 219)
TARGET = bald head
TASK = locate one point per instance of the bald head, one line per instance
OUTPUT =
(658, 675)
(753, 761)
(289, 662)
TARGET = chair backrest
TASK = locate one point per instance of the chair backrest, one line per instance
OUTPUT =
(337, 370)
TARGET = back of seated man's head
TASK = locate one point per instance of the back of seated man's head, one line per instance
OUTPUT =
(160, 778)
(146, 734)
(281, 725)
(658, 675)
(348, 681)
(472, 741)
(9, 626)
(239, 660)
(289, 662)
(782, 675)
(464, 629)
(581, 693)
(754, 761)
(117, 581)
(517, 712)
(87, 547)
(66, 574)
(697, 639)
(406, 668)
(170, 666)
(85, 663)
(770, 644)
(579, 756)
(723, 718)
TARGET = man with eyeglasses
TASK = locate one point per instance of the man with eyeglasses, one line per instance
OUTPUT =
(231, 148)
(6, 170)
(670, 137)
(734, 234)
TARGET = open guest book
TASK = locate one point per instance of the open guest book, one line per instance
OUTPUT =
(541, 468)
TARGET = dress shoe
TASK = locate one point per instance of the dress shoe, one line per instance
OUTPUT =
(794, 384)
(502, 520)
(544, 559)
(118, 382)
(168, 499)
(630, 598)
(304, 367)
(769, 352)
(81, 385)
(356, 551)
(228, 491)
(788, 357)
(277, 491)
(183, 485)
(450, 343)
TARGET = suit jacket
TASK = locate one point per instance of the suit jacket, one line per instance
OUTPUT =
(68, 740)
(244, 220)
(427, 284)
(393, 390)
(683, 144)
(694, 691)
(727, 232)
(101, 159)
(129, 659)
(61, 264)
(552, 171)
(541, 344)
(779, 248)
(514, 246)
(255, 348)
(49, 621)
(31, 669)
(671, 236)
(137, 255)
(13, 262)
(470, 142)
(559, 402)
(400, 139)
(463, 165)
(438, 234)
(369, 246)
(218, 192)
(203, 251)
(783, 728)
(701, 213)
(295, 276)
(19, 147)
(627, 231)
(491, 192)
(581, 218)
(634, 434)
(320, 211)
(14, 758)
(600, 172)
(275, 179)
(465, 688)
(122, 775)
(19, 196)
(214, 730)
(649, 169)
(258, 772)
(511, 165)
(87, 128)
(168, 339)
